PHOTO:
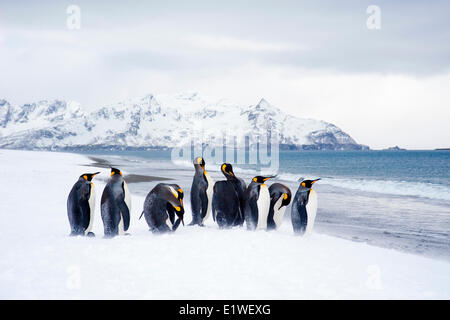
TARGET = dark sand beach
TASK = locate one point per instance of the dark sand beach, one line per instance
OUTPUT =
(130, 178)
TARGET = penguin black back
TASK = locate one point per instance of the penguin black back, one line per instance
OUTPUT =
(225, 204)
(201, 193)
(280, 197)
(239, 186)
(257, 203)
(304, 207)
(163, 208)
(115, 205)
(81, 205)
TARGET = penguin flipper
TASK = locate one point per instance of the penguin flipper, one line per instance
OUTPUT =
(170, 213)
(252, 214)
(84, 206)
(195, 204)
(204, 202)
(125, 213)
(270, 219)
(213, 207)
(299, 215)
(176, 224)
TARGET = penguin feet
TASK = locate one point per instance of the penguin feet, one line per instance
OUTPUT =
(90, 234)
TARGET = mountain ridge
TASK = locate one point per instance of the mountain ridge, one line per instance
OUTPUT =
(163, 121)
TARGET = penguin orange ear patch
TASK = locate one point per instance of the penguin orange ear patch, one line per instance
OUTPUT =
(303, 184)
(85, 177)
(285, 196)
(254, 179)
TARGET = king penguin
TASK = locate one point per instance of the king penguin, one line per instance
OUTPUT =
(280, 197)
(257, 203)
(240, 187)
(304, 207)
(81, 206)
(116, 205)
(201, 193)
(226, 208)
(161, 205)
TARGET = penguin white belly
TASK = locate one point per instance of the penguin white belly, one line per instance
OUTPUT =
(263, 204)
(311, 210)
(91, 210)
(278, 214)
(120, 226)
(209, 195)
(168, 222)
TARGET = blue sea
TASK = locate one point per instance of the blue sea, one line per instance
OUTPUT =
(393, 199)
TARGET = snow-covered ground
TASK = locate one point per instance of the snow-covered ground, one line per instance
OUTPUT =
(39, 260)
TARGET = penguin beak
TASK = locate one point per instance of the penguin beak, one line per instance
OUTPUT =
(314, 181)
(94, 174)
(271, 177)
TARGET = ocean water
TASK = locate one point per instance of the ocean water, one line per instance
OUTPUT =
(393, 199)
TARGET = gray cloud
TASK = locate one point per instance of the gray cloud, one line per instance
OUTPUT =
(311, 59)
(414, 39)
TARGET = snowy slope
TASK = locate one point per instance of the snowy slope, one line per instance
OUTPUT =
(39, 260)
(162, 121)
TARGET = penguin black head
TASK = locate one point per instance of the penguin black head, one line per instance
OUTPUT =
(261, 179)
(308, 183)
(286, 199)
(116, 171)
(199, 161)
(227, 170)
(88, 176)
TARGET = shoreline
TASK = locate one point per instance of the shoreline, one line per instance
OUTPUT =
(130, 178)
(332, 220)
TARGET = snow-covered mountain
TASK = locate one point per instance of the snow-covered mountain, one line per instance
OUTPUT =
(160, 121)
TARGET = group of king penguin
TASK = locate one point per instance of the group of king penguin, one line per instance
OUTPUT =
(230, 202)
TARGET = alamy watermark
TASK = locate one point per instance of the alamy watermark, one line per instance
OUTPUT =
(73, 21)
(252, 151)
(73, 280)
(374, 20)
(373, 281)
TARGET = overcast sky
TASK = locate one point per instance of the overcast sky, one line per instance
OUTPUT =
(385, 87)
